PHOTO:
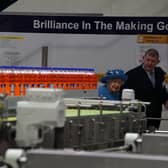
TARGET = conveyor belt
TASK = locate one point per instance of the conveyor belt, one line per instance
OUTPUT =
(89, 112)
(74, 113)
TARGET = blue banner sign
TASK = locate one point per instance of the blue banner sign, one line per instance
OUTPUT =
(83, 25)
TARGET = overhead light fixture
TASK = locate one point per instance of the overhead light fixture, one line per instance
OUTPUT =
(6, 3)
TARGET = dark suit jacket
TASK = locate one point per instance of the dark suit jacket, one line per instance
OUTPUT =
(144, 90)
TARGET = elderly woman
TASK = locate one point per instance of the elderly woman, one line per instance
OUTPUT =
(112, 82)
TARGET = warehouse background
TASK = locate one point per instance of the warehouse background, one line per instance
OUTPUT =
(101, 52)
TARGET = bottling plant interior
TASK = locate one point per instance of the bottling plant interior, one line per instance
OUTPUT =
(83, 84)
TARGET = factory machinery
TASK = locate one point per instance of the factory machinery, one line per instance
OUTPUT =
(42, 128)
(87, 124)
(108, 122)
(96, 124)
(39, 127)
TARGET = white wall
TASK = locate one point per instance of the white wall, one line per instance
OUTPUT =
(101, 52)
(70, 50)
(97, 51)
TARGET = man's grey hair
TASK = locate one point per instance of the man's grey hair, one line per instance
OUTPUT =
(152, 52)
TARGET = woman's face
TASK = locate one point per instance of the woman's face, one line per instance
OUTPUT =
(114, 85)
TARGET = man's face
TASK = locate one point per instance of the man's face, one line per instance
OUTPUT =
(114, 85)
(149, 62)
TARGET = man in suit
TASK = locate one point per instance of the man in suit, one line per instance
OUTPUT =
(147, 82)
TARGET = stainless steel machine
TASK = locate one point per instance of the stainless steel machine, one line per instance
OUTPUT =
(86, 123)
(73, 159)
(96, 133)
(95, 124)
(142, 154)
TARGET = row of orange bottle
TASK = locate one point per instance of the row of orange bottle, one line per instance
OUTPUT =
(14, 80)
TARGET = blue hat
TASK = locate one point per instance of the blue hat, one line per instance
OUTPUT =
(114, 74)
